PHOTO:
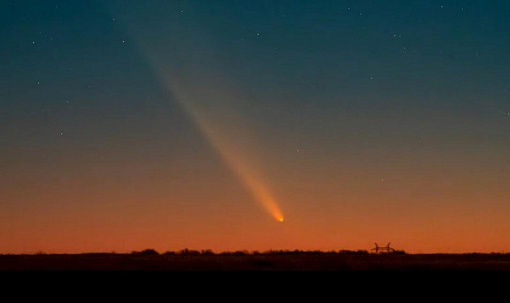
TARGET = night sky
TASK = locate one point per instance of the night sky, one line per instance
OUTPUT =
(127, 125)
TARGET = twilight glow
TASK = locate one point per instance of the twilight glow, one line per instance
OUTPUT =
(127, 125)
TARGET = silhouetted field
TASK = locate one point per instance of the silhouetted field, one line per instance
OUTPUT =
(258, 277)
(194, 260)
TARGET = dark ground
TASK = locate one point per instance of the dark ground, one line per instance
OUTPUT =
(276, 261)
(313, 277)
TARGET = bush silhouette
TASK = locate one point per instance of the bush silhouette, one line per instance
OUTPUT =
(146, 252)
(188, 252)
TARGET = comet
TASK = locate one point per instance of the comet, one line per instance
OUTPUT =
(221, 137)
(211, 106)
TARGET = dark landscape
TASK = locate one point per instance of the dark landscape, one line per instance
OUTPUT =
(274, 260)
(259, 277)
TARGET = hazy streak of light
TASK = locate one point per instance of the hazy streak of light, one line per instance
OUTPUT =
(237, 162)
(240, 163)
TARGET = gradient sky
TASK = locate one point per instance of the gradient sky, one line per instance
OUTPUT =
(127, 125)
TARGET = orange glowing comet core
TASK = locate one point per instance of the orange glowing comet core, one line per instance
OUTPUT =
(281, 219)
